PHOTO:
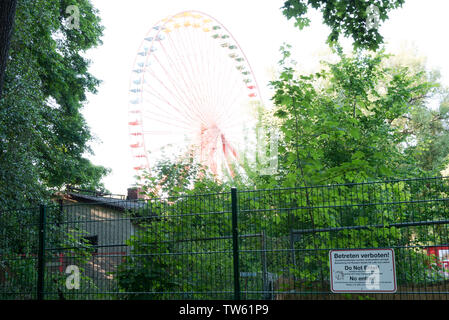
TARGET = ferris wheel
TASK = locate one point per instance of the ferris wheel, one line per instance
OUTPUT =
(192, 88)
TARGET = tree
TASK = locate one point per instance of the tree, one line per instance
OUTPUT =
(428, 137)
(425, 125)
(341, 124)
(7, 14)
(43, 135)
(159, 266)
(345, 17)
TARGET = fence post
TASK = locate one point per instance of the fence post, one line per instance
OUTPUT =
(235, 243)
(41, 253)
(265, 286)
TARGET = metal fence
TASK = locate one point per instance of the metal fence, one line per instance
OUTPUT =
(252, 244)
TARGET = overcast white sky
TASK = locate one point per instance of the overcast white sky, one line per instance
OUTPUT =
(260, 29)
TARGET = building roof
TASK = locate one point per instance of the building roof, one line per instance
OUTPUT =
(107, 201)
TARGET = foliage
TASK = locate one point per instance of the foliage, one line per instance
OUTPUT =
(184, 175)
(181, 251)
(428, 142)
(344, 17)
(185, 248)
(43, 135)
(170, 177)
(340, 124)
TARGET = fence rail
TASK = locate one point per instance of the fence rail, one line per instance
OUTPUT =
(241, 244)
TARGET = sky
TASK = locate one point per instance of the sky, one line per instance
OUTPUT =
(260, 29)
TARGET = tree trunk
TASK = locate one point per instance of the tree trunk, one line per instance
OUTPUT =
(7, 14)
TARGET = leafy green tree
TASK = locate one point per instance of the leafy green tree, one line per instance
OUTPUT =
(428, 137)
(339, 125)
(43, 135)
(171, 177)
(358, 119)
(425, 125)
(348, 18)
(178, 231)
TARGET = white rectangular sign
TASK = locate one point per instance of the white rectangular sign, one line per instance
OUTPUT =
(367, 270)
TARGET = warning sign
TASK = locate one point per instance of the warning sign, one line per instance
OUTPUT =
(368, 270)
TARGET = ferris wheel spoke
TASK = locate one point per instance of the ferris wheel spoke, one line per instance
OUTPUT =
(176, 97)
(223, 92)
(193, 105)
(228, 104)
(173, 82)
(163, 120)
(190, 79)
(202, 59)
(174, 93)
(159, 132)
(165, 103)
(211, 80)
(219, 73)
